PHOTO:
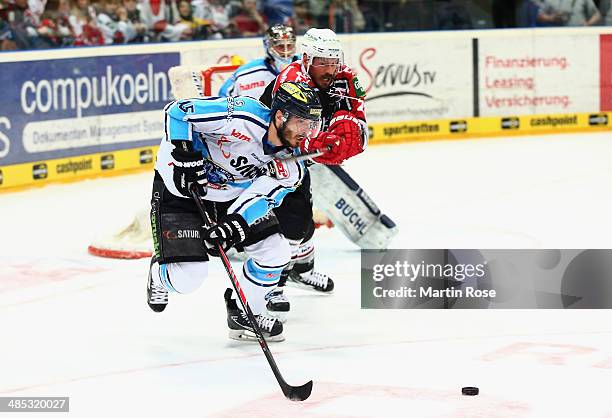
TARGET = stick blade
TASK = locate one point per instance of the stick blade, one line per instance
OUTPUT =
(298, 393)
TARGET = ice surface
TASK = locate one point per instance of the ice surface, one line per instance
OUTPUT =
(75, 325)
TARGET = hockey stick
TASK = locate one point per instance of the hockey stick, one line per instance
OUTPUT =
(294, 393)
(303, 157)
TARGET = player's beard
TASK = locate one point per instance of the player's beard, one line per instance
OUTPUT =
(281, 132)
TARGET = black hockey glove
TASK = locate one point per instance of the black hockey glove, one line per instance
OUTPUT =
(189, 168)
(230, 230)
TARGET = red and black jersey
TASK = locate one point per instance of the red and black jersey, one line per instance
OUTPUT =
(345, 93)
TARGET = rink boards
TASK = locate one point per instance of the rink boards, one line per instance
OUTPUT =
(77, 113)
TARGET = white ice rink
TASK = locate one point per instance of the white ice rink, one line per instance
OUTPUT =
(75, 325)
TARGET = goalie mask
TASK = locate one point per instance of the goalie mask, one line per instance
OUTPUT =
(279, 42)
(301, 112)
(322, 43)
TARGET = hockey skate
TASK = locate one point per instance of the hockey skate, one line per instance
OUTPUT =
(312, 280)
(240, 328)
(277, 304)
(157, 297)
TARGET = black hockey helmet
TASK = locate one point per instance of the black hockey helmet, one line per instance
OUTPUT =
(298, 99)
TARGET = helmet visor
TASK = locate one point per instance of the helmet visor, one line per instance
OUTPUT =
(302, 127)
(331, 63)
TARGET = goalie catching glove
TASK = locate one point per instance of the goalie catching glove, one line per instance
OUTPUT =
(229, 231)
(188, 168)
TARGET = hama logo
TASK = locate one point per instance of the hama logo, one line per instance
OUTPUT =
(240, 135)
(253, 85)
(295, 92)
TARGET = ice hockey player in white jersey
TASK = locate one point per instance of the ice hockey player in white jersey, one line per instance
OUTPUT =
(238, 153)
(252, 78)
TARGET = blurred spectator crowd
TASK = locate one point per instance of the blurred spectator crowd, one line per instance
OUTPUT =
(37, 24)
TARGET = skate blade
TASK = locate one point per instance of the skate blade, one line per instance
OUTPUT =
(281, 316)
(305, 286)
(243, 335)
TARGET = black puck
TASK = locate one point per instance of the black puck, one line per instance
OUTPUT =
(469, 391)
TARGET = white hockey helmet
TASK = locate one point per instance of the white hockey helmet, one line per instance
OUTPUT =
(322, 43)
(279, 42)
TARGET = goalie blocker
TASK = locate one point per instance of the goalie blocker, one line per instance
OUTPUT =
(350, 207)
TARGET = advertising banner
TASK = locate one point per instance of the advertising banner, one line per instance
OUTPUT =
(426, 80)
(68, 107)
(529, 74)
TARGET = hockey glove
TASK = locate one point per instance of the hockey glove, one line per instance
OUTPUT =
(326, 142)
(189, 168)
(347, 127)
(230, 230)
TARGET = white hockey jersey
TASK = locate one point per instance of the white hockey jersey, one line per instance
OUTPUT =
(231, 133)
(250, 79)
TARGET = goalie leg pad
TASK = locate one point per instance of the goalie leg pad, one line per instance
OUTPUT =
(350, 207)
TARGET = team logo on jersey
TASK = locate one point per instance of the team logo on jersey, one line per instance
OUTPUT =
(217, 176)
(295, 92)
(359, 90)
